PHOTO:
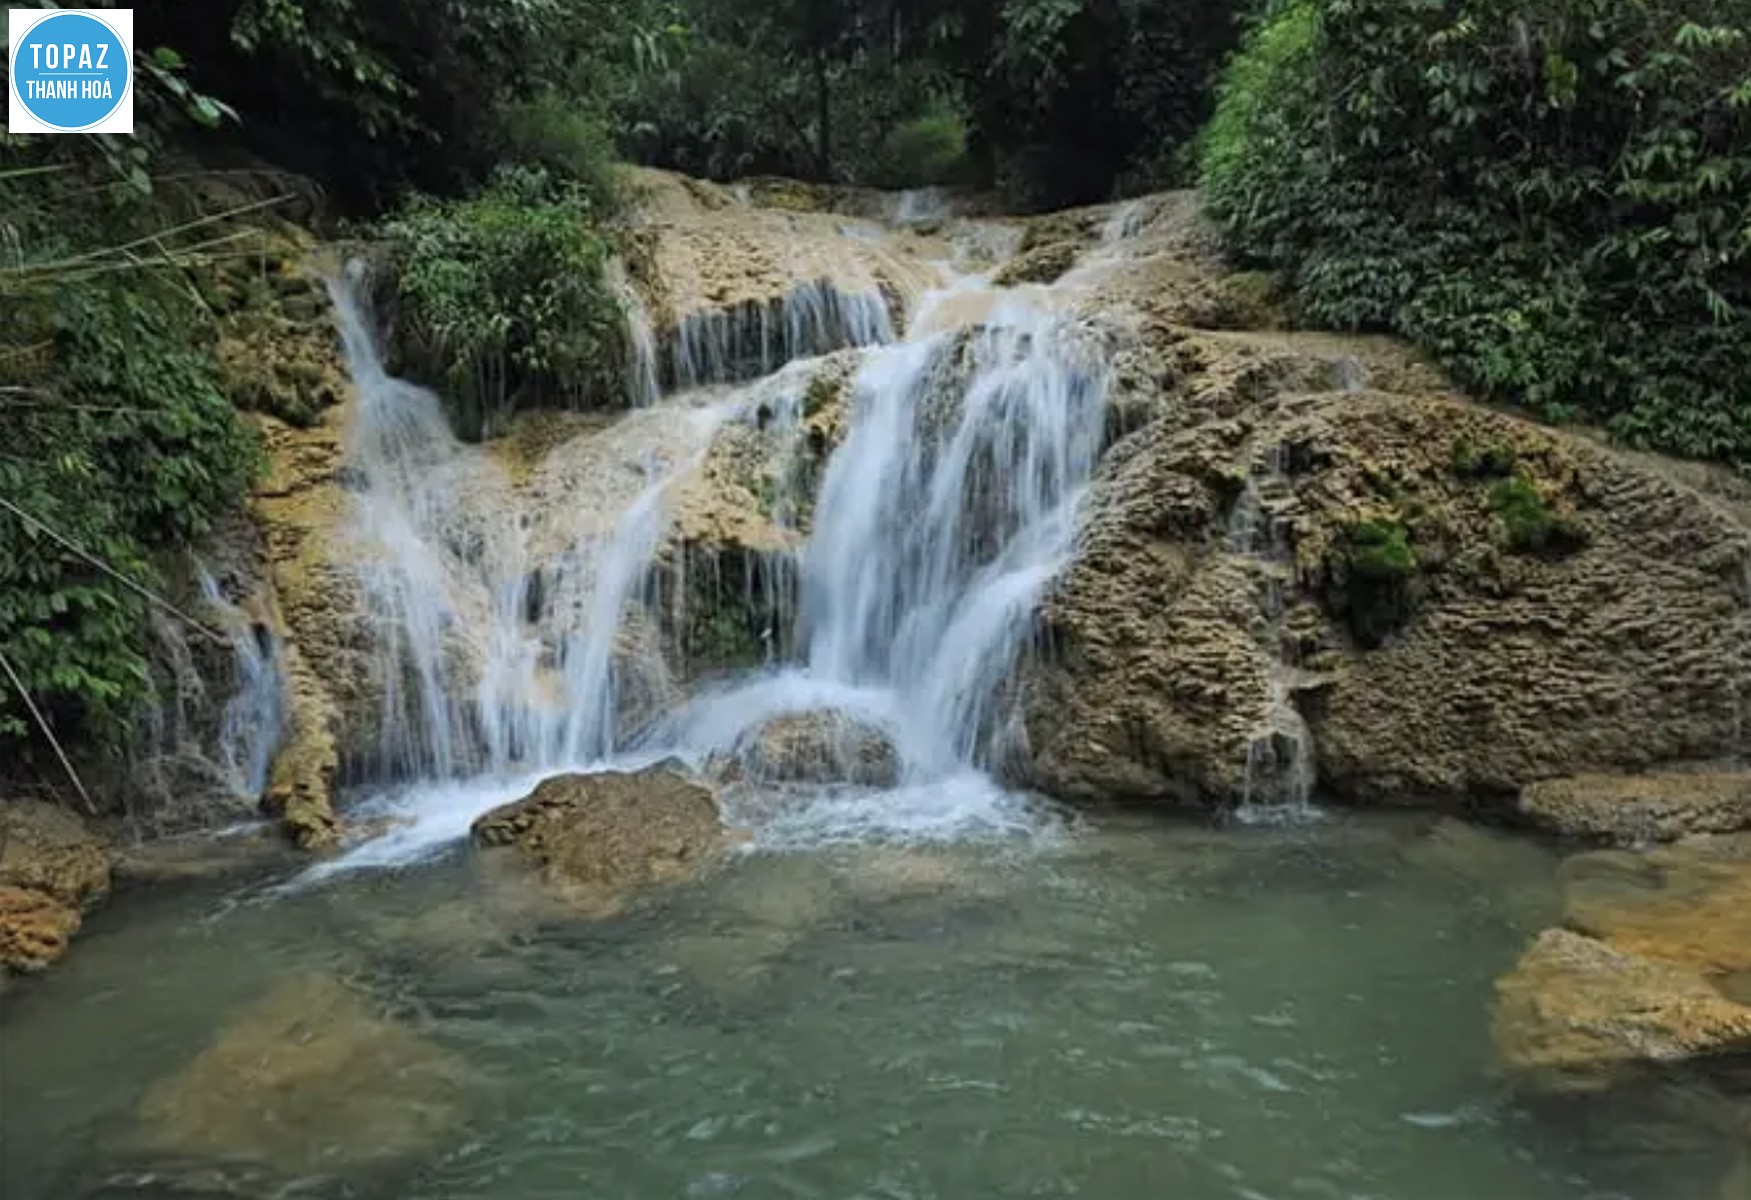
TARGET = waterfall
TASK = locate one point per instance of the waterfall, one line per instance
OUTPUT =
(931, 544)
(642, 386)
(513, 618)
(479, 674)
(253, 723)
(198, 758)
(1279, 773)
(754, 339)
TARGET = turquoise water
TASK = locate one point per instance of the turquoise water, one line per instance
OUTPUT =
(1134, 1010)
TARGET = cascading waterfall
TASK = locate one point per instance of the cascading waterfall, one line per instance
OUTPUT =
(254, 720)
(937, 523)
(472, 684)
(642, 385)
(931, 546)
(940, 520)
(754, 339)
(197, 757)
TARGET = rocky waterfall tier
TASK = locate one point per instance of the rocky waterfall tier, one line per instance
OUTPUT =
(1059, 503)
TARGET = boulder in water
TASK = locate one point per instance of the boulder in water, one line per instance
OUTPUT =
(309, 1081)
(597, 838)
(824, 747)
(1633, 809)
(52, 869)
(1576, 1014)
(1651, 970)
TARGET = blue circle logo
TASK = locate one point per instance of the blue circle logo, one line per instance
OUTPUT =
(70, 71)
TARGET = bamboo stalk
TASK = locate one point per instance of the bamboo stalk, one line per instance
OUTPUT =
(145, 593)
(43, 724)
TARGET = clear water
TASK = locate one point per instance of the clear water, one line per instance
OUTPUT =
(1131, 1010)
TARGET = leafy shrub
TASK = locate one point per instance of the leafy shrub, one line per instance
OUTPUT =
(1381, 551)
(926, 151)
(120, 439)
(1550, 199)
(551, 133)
(501, 299)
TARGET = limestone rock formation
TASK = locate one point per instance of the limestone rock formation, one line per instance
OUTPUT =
(817, 748)
(52, 870)
(596, 839)
(309, 1081)
(1635, 809)
(1576, 1012)
(1651, 969)
(1455, 602)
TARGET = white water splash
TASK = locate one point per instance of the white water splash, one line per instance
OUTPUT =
(479, 678)
(945, 512)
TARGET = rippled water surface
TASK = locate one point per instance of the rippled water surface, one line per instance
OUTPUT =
(1133, 1011)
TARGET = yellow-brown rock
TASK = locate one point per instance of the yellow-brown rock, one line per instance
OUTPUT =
(597, 839)
(308, 1081)
(1576, 1015)
(52, 870)
(1634, 809)
(44, 848)
(1651, 969)
(35, 929)
(1618, 647)
(1687, 904)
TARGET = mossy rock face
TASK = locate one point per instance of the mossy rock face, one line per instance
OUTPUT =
(1372, 578)
(737, 611)
(277, 349)
(1531, 524)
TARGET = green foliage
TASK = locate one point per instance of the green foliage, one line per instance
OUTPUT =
(1380, 550)
(1552, 200)
(501, 298)
(375, 97)
(1052, 99)
(1373, 578)
(120, 439)
(1530, 525)
(925, 151)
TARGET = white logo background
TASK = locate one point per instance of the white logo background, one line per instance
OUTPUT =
(19, 117)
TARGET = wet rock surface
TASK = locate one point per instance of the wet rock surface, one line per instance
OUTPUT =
(1634, 809)
(816, 748)
(598, 839)
(1545, 606)
(52, 870)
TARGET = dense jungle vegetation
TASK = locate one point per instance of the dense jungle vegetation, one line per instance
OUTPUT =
(1554, 198)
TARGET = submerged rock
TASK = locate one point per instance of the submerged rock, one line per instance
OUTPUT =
(309, 1081)
(1575, 1012)
(1651, 970)
(817, 748)
(596, 839)
(1633, 809)
(52, 870)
